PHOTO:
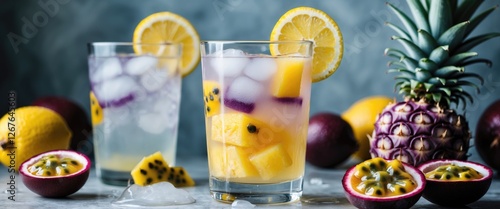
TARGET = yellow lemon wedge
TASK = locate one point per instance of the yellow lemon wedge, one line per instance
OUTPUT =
(305, 23)
(167, 27)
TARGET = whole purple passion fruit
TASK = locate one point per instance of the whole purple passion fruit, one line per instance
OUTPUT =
(75, 117)
(453, 183)
(330, 140)
(487, 140)
(387, 184)
(56, 173)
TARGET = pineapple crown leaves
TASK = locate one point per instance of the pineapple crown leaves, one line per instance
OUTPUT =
(437, 48)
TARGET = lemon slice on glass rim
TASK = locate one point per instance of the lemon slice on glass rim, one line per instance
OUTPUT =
(167, 27)
(305, 23)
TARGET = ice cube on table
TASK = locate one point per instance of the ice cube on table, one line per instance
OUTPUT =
(229, 63)
(244, 89)
(154, 80)
(140, 65)
(158, 194)
(242, 204)
(260, 69)
(109, 68)
(116, 92)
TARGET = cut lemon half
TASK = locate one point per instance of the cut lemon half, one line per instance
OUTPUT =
(167, 27)
(305, 23)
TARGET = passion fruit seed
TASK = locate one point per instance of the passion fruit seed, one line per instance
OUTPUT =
(215, 91)
(251, 128)
(453, 172)
(377, 177)
(53, 165)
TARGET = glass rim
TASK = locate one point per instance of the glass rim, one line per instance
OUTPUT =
(111, 43)
(255, 42)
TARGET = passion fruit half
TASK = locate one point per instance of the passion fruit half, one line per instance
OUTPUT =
(56, 173)
(454, 183)
(377, 183)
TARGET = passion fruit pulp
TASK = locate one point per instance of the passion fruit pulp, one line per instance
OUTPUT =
(456, 191)
(398, 195)
(56, 173)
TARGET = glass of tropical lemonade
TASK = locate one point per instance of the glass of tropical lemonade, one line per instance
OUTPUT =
(256, 115)
(135, 100)
(257, 99)
(136, 93)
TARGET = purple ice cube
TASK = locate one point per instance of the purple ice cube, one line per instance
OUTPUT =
(238, 105)
(242, 94)
(116, 92)
(289, 100)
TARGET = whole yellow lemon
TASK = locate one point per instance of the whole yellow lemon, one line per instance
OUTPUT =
(28, 131)
(361, 116)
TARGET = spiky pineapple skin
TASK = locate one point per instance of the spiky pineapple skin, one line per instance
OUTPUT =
(417, 131)
(432, 70)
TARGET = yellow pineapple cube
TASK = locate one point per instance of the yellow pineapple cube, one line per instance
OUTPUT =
(216, 160)
(240, 129)
(286, 82)
(230, 162)
(271, 161)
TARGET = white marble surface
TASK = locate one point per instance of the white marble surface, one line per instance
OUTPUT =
(97, 195)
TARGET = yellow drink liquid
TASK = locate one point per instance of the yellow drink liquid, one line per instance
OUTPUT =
(256, 125)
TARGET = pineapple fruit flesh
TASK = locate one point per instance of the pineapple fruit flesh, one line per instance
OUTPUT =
(287, 83)
(153, 169)
(432, 74)
(246, 149)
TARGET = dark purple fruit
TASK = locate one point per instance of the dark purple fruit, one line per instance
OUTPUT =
(458, 192)
(56, 185)
(75, 117)
(487, 140)
(330, 140)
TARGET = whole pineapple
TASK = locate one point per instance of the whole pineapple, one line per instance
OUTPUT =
(431, 76)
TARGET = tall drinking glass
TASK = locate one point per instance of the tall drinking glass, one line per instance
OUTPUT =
(256, 116)
(135, 96)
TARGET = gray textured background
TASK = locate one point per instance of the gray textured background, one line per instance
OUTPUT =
(53, 59)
